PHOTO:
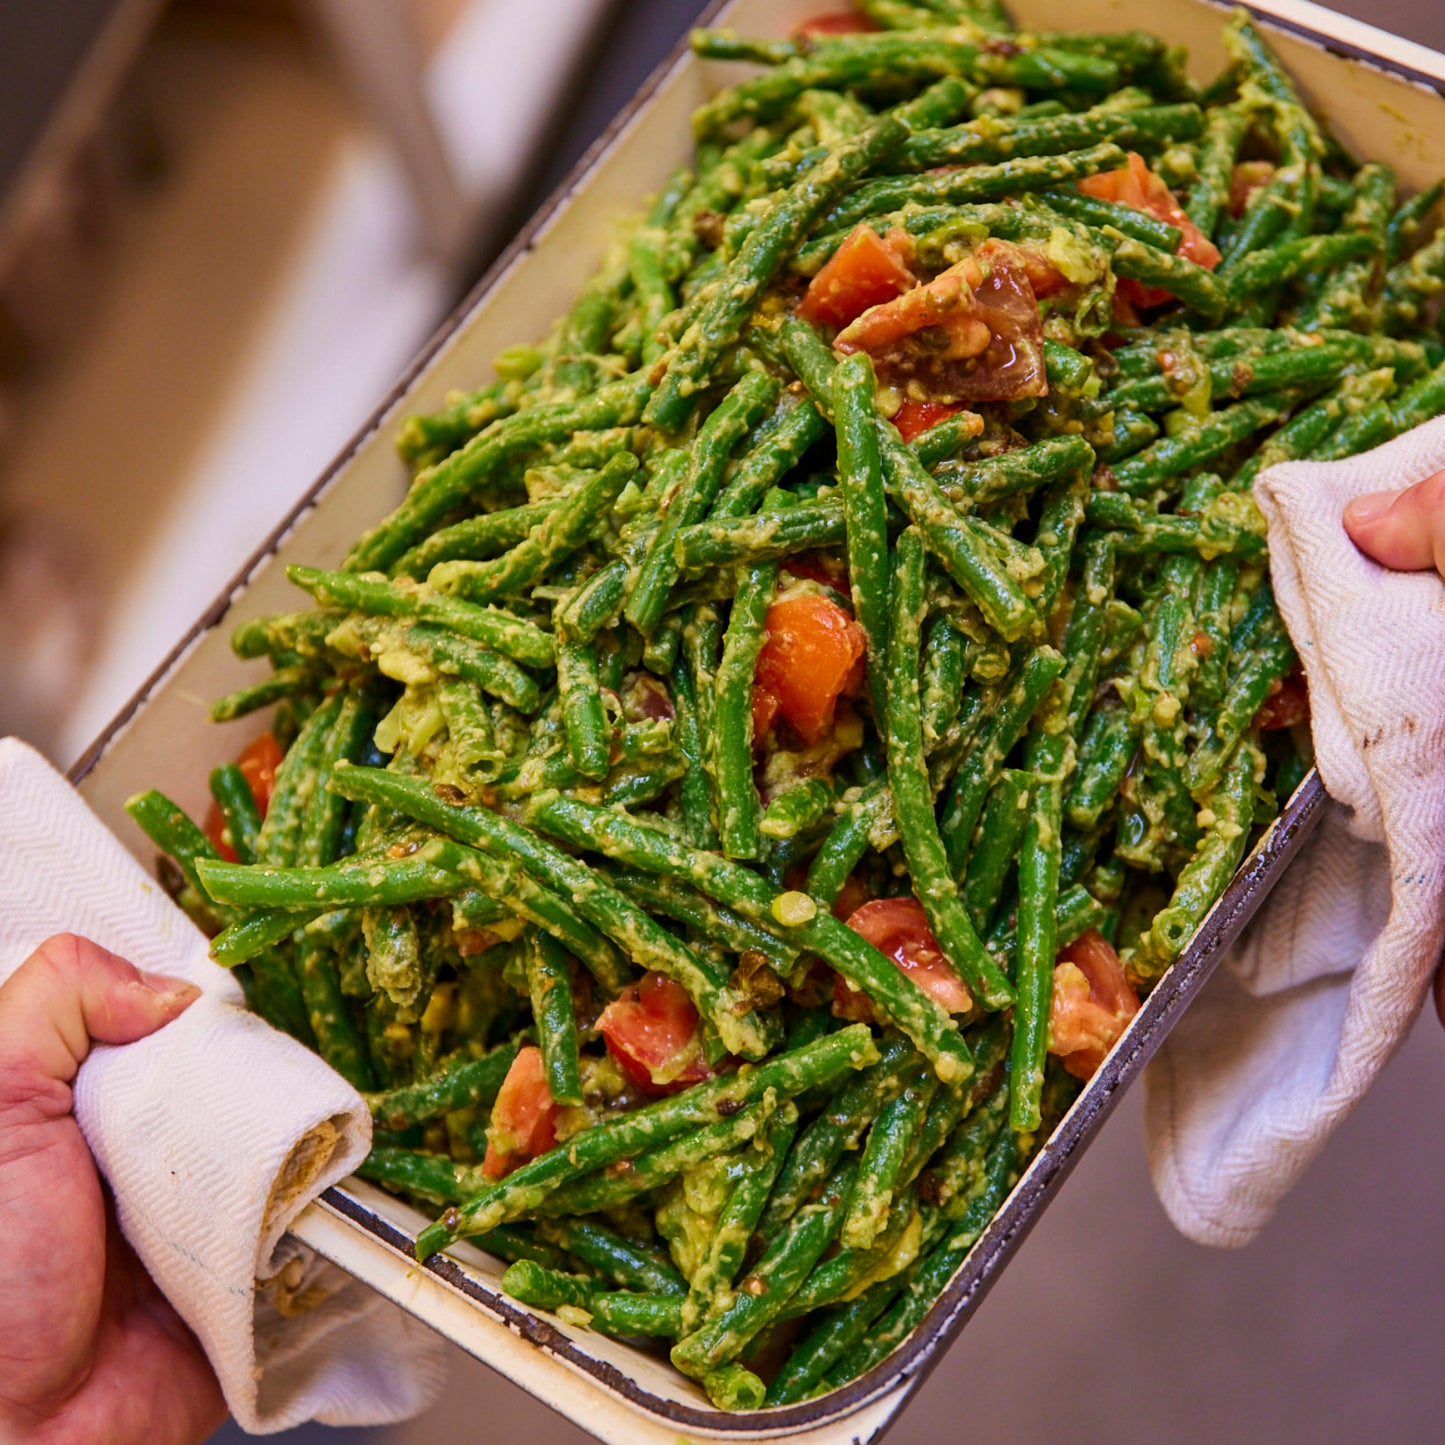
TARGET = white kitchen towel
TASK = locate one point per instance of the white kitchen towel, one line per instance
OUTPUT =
(1326, 983)
(213, 1134)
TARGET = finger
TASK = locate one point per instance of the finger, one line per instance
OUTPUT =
(1402, 530)
(71, 992)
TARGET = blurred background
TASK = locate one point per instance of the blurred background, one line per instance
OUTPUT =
(225, 228)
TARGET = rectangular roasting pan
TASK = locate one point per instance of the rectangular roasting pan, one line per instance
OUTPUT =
(1383, 96)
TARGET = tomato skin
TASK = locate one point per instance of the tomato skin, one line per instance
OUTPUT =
(258, 760)
(653, 1032)
(898, 928)
(1286, 707)
(864, 271)
(972, 333)
(1137, 187)
(1092, 1003)
(811, 647)
(836, 22)
(524, 1117)
(916, 417)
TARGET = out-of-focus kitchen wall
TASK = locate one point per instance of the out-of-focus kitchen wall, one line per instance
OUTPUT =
(226, 245)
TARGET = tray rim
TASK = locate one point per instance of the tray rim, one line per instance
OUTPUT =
(909, 1364)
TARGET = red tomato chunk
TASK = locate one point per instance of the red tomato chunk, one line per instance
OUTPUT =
(811, 655)
(864, 271)
(898, 928)
(916, 417)
(653, 1032)
(524, 1118)
(1137, 187)
(971, 334)
(1092, 1004)
(259, 760)
(1286, 707)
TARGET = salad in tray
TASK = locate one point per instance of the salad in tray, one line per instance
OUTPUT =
(802, 704)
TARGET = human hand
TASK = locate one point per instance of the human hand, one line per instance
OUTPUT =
(1402, 530)
(89, 1347)
(1405, 531)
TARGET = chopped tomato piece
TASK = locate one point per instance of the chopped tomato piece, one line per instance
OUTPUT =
(1287, 706)
(1137, 187)
(971, 334)
(836, 22)
(811, 648)
(259, 760)
(653, 1032)
(1092, 1004)
(864, 271)
(916, 417)
(524, 1117)
(898, 928)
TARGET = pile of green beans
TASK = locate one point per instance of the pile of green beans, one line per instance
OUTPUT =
(519, 762)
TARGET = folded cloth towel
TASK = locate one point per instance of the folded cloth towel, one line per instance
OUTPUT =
(1326, 983)
(213, 1133)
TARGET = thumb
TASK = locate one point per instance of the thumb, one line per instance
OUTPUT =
(1402, 530)
(70, 992)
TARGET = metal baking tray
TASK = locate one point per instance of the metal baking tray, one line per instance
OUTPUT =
(1383, 96)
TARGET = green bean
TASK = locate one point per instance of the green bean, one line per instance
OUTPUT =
(928, 861)
(1230, 810)
(1258, 668)
(237, 804)
(720, 320)
(1198, 444)
(629, 1265)
(606, 1189)
(982, 141)
(475, 538)
(379, 881)
(732, 738)
(1028, 684)
(816, 1064)
(892, 1132)
(1403, 225)
(895, 998)
(284, 682)
(1107, 215)
(461, 1082)
(765, 538)
(783, 1267)
(757, 1169)
(511, 636)
(549, 981)
(438, 491)
(560, 533)
(974, 183)
(776, 447)
(744, 406)
(1217, 155)
(1001, 828)
(860, 479)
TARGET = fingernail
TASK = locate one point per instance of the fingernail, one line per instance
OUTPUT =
(168, 987)
(1363, 510)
